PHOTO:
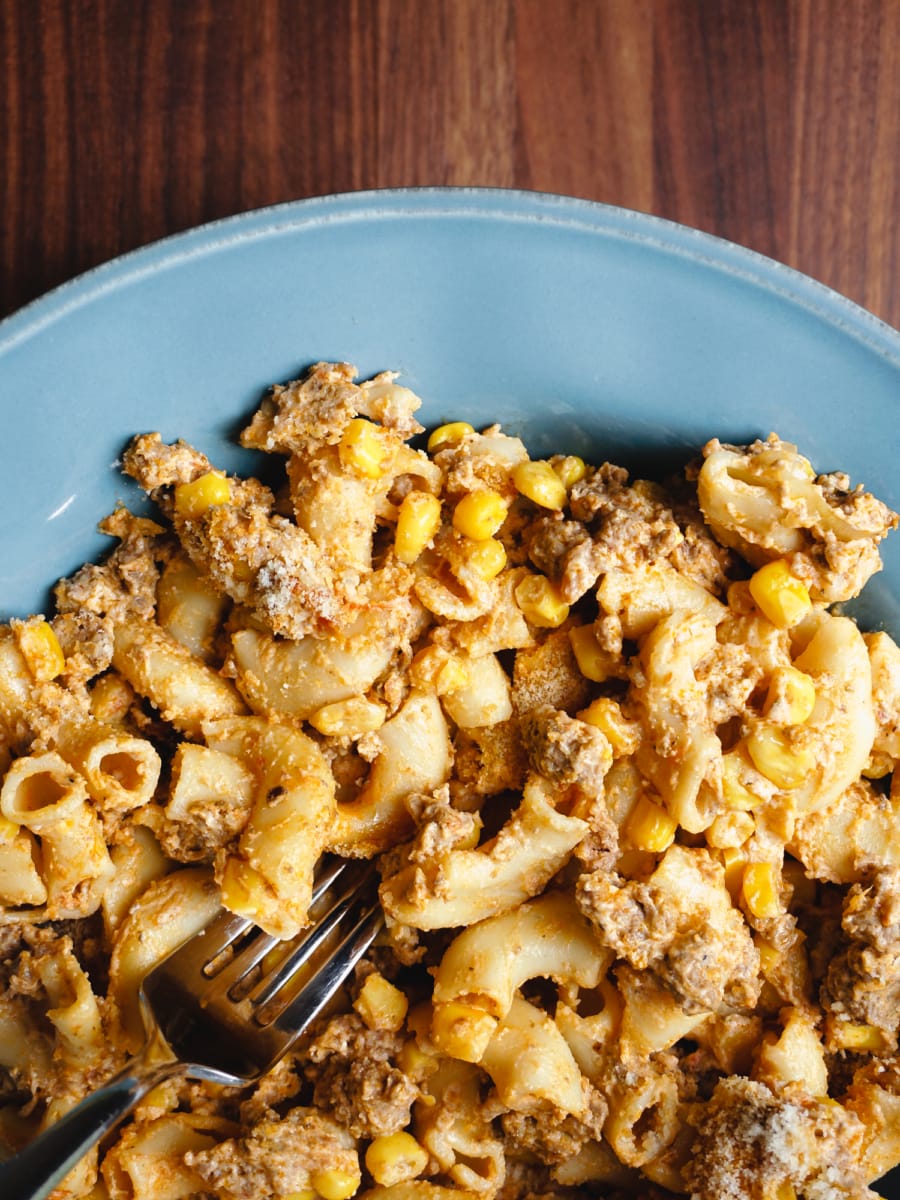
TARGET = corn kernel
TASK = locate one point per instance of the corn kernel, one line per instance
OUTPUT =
(593, 663)
(730, 830)
(606, 715)
(733, 860)
(380, 1004)
(193, 499)
(780, 595)
(538, 482)
(415, 1062)
(864, 1038)
(760, 891)
(540, 602)
(436, 669)
(349, 718)
(40, 649)
(773, 755)
(362, 450)
(791, 697)
(394, 1158)
(785, 1190)
(461, 1030)
(111, 698)
(450, 434)
(570, 468)
(650, 827)
(303, 1194)
(418, 521)
(734, 792)
(336, 1184)
(479, 514)
(769, 958)
(487, 557)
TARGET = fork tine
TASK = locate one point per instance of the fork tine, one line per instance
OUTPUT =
(237, 968)
(311, 941)
(296, 1016)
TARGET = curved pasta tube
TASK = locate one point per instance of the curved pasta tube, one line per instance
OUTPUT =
(642, 596)
(170, 911)
(137, 861)
(45, 795)
(189, 606)
(796, 1056)
(531, 1065)
(592, 1038)
(485, 699)
(20, 879)
(73, 1008)
(185, 690)
(682, 748)
(652, 1019)
(415, 758)
(840, 842)
(643, 1114)
(460, 887)
(297, 678)
(148, 1160)
(455, 1132)
(121, 770)
(836, 740)
(486, 964)
(269, 876)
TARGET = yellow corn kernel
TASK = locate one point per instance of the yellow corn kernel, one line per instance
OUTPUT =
(40, 649)
(394, 1158)
(773, 756)
(304, 1194)
(436, 669)
(865, 1038)
(415, 1062)
(570, 468)
(418, 521)
(540, 602)
(733, 860)
(537, 481)
(380, 1004)
(730, 830)
(735, 793)
(780, 595)
(791, 697)
(649, 827)
(785, 1190)
(769, 958)
(194, 498)
(111, 698)
(759, 889)
(450, 434)
(593, 663)
(461, 1030)
(479, 514)
(336, 1184)
(362, 450)
(606, 715)
(487, 557)
(349, 718)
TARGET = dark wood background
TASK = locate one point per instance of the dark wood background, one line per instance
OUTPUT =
(775, 123)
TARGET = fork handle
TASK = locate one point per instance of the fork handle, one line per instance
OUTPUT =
(35, 1171)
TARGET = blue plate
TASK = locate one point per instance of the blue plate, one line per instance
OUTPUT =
(582, 328)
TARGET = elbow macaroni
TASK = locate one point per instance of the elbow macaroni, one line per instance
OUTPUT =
(629, 778)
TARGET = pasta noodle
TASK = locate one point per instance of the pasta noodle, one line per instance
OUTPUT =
(629, 779)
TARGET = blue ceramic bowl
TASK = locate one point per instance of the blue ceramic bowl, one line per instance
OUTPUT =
(582, 328)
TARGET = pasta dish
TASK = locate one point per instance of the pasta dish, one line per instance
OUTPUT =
(629, 776)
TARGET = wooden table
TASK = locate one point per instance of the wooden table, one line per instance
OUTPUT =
(775, 123)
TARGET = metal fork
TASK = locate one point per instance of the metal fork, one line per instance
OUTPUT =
(216, 1010)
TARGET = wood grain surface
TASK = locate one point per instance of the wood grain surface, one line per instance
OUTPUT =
(775, 123)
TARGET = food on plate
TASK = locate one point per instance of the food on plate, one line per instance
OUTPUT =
(629, 776)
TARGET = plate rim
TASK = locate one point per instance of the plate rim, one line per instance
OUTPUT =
(509, 205)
